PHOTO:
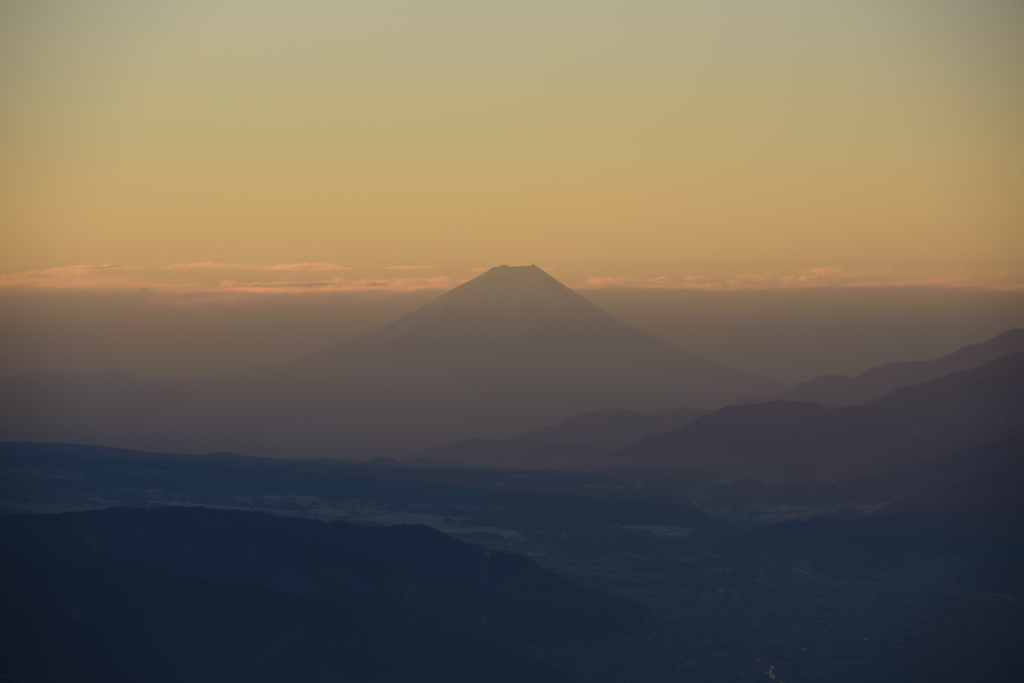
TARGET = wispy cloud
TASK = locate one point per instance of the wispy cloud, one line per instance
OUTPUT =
(339, 284)
(114, 277)
(307, 266)
(408, 267)
(819, 276)
(74, 271)
(81, 276)
(214, 265)
(830, 273)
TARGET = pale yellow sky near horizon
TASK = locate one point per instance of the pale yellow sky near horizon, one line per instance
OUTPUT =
(272, 146)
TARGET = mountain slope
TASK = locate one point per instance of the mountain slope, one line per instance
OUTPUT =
(457, 586)
(518, 304)
(510, 351)
(833, 391)
(912, 425)
(136, 594)
(519, 333)
(576, 442)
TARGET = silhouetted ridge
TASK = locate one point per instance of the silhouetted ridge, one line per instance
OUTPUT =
(912, 425)
(456, 586)
(511, 309)
(518, 327)
(575, 443)
(510, 351)
(833, 391)
(507, 303)
(197, 594)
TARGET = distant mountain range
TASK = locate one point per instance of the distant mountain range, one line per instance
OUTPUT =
(510, 351)
(575, 443)
(968, 507)
(834, 391)
(911, 425)
(962, 408)
(484, 367)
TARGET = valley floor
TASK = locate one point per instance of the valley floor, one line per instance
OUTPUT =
(715, 614)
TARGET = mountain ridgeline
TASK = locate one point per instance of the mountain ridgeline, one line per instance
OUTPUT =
(840, 523)
(518, 333)
(177, 593)
(910, 426)
(577, 443)
(510, 351)
(834, 391)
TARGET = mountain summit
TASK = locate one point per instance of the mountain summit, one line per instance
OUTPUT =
(520, 336)
(507, 303)
(507, 352)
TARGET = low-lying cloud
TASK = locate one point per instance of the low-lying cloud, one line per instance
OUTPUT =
(339, 284)
(91, 275)
(213, 265)
(823, 276)
(209, 277)
(69, 271)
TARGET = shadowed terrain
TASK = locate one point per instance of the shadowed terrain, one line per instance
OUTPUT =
(510, 351)
(868, 579)
(833, 391)
(911, 425)
(117, 594)
(618, 543)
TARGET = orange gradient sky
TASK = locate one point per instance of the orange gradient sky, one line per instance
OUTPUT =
(303, 145)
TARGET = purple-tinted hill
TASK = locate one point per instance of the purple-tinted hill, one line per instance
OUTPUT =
(833, 391)
(519, 333)
(910, 426)
(510, 351)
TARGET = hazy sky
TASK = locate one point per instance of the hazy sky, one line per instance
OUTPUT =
(674, 143)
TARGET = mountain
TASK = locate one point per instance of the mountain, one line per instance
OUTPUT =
(574, 443)
(833, 391)
(130, 594)
(406, 574)
(122, 624)
(967, 507)
(518, 334)
(509, 351)
(978, 492)
(911, 425)
(607, 430)
(507, 305)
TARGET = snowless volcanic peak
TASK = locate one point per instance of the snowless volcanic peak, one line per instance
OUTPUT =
(507, 303)
(528, 341)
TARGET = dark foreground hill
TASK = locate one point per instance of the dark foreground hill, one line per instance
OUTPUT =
(199, 594)
(969, 507)
(865, 594)
(510, 351)
(911, 425)
(833, 391)
(126, 624)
